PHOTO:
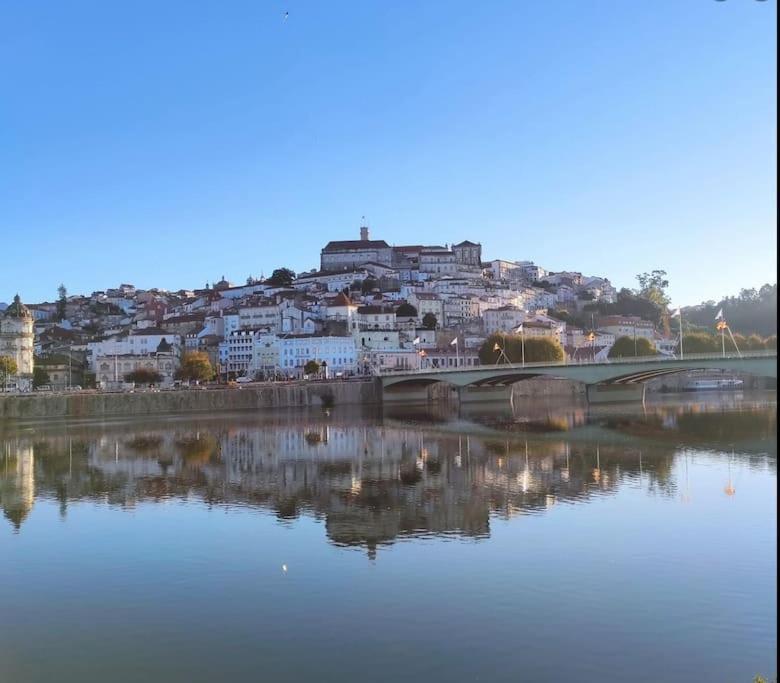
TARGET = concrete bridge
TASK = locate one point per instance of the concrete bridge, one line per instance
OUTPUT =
(617, 380)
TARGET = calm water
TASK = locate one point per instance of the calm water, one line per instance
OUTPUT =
(558, 543)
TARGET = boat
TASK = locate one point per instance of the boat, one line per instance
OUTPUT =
(713, 384)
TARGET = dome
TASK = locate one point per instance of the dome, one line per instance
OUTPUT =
(18, 310)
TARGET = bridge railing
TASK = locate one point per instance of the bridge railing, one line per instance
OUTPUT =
(769, 353)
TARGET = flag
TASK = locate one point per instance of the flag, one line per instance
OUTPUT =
(720, 315)
(454, 342)
(677, 313)
(519, 328)
(416, 340)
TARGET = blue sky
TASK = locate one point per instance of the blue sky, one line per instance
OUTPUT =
(167, 144)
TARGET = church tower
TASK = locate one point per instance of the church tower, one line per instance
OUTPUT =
(17, 336)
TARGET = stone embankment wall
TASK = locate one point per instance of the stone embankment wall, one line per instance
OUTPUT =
(261, 397)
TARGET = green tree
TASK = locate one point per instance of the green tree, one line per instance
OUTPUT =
(7, 367)
(312, 367)
(368, 285)
(40, 376)
(700, 342)
(537, 349)
(195, 366)
(652, 286)
(771, 342)
(143, 376)
(62, 302)
(406, 310)
(429, 321)
(630, 347)
(753, 343)
(281, 277)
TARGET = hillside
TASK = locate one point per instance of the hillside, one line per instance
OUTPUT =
(751, 312)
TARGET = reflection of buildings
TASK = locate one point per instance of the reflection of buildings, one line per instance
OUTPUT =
(17, 481)
(370, 483)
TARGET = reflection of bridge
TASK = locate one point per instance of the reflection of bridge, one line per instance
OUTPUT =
(617, 380)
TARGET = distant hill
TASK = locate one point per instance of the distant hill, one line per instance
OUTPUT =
(752, 312)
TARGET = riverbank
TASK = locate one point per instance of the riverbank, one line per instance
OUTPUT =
(254, 397)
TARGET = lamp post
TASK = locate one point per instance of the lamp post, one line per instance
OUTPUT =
(722, 327)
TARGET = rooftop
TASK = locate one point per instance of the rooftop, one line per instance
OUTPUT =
(357, 245)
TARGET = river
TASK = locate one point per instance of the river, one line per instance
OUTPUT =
(546, 542)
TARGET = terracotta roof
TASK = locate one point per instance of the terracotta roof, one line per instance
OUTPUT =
(341, 299)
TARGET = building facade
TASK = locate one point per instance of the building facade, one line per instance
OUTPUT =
(17, 336)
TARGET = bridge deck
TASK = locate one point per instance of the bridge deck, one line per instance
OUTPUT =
(620, 370)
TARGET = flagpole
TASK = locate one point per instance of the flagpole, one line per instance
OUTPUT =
(682, 356)
(522, 343)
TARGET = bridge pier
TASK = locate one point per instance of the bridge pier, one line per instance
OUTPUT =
(476, 394)
(407, 395)
(615, 393)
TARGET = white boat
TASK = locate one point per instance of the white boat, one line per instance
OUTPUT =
(714, 384)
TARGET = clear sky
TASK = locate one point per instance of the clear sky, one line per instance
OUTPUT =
(169, 143)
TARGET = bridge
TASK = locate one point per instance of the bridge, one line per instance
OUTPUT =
(620, 379)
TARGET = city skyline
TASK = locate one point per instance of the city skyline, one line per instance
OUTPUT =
(169, 147)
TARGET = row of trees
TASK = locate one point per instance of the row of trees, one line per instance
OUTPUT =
(511, 348)
(195, 366)
(705, 342)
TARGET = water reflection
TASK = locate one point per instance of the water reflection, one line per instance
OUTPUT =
(374, 480)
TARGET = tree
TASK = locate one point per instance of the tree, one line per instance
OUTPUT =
(429, 321)
(143, 376)
(750, 312)
(652, 286)
(700, 342)
(195, 366)
(40, 376)
(537, 349)
(406, 310)
(630, 347)
(62, 302)
(771, 342)
(281, 277)
(7, 367)
(368, 285)
(312, 367)
(629, 303)
(754, 343)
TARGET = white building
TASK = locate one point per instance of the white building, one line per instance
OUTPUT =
(438, 261)
(339, 354)
(143, 342)
(350, 254)
(627, 326)
(503, 319)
